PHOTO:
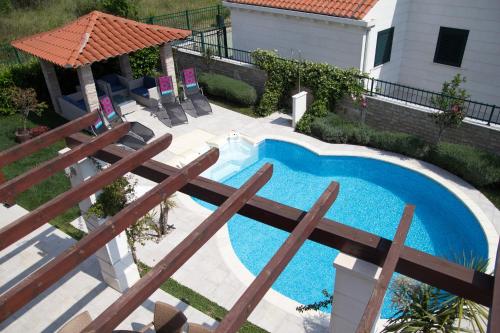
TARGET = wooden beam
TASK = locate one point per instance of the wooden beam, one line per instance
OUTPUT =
(494, 319)
(439, 272)
(10, 189)
(43, 214)
(263, 282)
(377, 297)
(32, 286)
(148, 284)
(24, 149)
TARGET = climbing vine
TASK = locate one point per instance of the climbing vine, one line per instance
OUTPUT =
(326, 83)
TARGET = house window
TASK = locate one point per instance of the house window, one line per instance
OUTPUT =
(450, 46)
(384, 46)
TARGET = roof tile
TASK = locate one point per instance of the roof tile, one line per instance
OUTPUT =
(354, 9)
(95, 37)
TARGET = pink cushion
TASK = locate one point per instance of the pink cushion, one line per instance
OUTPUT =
(107, 107)
(166, 85)
(189, 77)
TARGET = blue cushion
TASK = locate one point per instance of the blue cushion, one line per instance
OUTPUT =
(141, 91)
(111, 79)
(79, 104)
(149, 82)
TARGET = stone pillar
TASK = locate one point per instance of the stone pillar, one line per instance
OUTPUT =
(88, 87)
(125, 67)
(354, 283)
(49, 72)
(168, 64)
(299, 107)
(117, 266)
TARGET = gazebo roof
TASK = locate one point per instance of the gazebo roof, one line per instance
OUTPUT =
(95, 37)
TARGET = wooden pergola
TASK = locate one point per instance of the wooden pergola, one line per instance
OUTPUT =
(93, 38)
(392, 256)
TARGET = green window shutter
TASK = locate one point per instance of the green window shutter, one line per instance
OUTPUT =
(450, 46)
(384, 46)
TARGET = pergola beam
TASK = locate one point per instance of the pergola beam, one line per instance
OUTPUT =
(263, 282)
(10, 189)
(29, 147)
(164, 269)
(32, 286)
(377, 297)
(41, 215)
(443, 274)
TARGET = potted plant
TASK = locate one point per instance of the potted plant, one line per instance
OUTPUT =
(25, 102)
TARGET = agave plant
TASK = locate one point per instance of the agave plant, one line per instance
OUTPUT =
(426, 309)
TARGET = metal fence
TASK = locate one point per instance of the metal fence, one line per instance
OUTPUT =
(196, 19)
(215, 43)
(10, 55)
(480, 111)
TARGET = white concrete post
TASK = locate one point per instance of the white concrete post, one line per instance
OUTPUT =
(88, 87)
(354, 283)
(117, 266)
(49, 72)
(299, 107)
(168, 64)
(125, 67)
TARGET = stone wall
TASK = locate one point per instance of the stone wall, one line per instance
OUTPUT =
(384, 114)
(237, 70)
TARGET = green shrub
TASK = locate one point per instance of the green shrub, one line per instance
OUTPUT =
(5, 6)
(229, 89)
(145, 62)
(476, 166)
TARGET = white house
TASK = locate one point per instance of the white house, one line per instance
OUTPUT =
(420, 43)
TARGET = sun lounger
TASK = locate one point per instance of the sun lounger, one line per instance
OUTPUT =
(77, 323)
(170, 110)
(194, 93)
(114, 118)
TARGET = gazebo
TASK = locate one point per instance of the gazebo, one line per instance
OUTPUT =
(92, 38)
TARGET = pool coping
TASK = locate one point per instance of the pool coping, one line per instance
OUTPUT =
(454, 184)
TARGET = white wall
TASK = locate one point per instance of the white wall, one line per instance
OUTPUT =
(384, 15)
(481, 61)
(319, 41)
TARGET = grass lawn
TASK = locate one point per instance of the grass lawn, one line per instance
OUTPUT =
(200, 302)
(26, 21)
(47, 189)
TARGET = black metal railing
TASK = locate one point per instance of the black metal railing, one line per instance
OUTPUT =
(488, 113)
(195, 19)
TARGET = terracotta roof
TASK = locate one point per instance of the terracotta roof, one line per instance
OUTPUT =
(354, 9)
(95, 37)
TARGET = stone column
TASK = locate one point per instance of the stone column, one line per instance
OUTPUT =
(49, 72)
(88, 87)
(125, 67)
(354, 283)
(168, 64)
(117, 266)
(299, 107)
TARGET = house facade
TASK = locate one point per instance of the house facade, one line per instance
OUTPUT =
(416, 43)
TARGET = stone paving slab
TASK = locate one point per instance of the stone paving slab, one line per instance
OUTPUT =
(80, 290)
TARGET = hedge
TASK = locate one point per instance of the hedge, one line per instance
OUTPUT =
(229, 89)
(476, 166)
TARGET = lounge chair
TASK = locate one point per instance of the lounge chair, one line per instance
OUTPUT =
(169, 109)
(144, 91)
(195, 328)
(113, 84)
(194, 93)
(114, 117)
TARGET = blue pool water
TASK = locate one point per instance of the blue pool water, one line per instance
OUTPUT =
(372, 197)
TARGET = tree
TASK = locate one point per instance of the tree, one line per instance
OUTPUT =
(450, 104)
(25, 102)
(426, 309)
(323, 304)
(112, 199)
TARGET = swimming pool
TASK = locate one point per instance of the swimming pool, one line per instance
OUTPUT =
(372, 197)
